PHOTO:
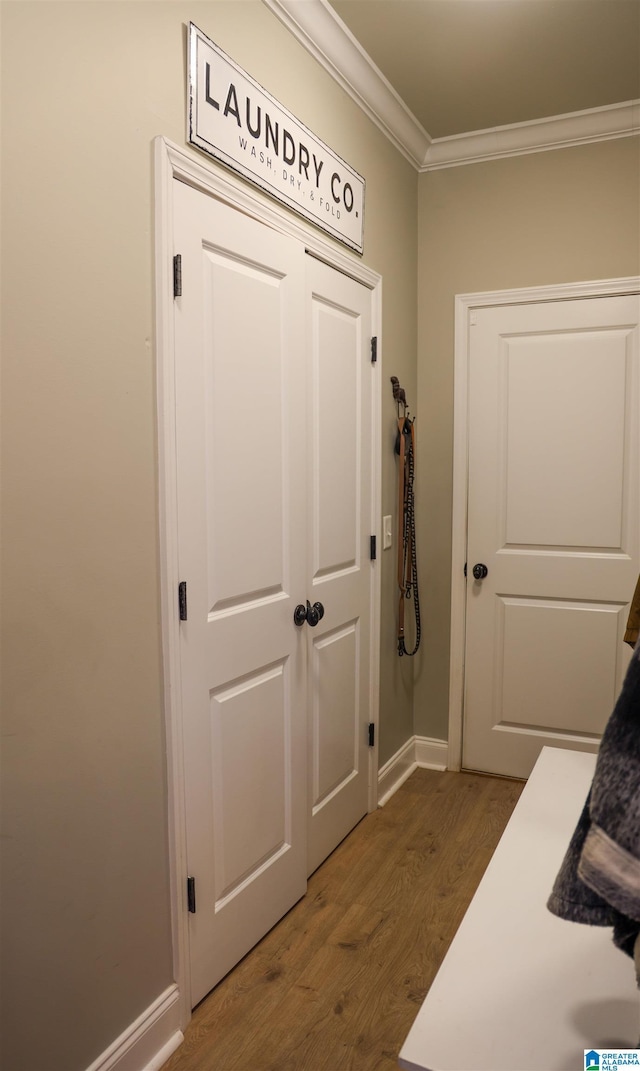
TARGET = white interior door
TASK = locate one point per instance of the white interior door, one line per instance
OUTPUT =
(553, 514)
(240, 410)
(340, 483)
(275, 497)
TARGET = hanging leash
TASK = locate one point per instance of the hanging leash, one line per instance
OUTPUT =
(407, 558)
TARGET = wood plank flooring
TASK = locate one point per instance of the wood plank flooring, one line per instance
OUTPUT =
(336, 985)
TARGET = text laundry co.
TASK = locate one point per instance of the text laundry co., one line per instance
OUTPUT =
(275, 138)
(237, 122)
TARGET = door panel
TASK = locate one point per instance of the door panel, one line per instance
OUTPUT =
(240, 395)
(249, 795)
(334, 741)
(335, 415)
(553, 513)
(340, 525)
(565, 637)
(565, 393)
(246, 485)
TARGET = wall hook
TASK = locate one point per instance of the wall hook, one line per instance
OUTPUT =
(399, 395)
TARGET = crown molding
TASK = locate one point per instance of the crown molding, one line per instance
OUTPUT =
(539, 135)
(319, 29)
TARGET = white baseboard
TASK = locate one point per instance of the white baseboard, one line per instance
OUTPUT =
(432, 754)
(418, 751)
(149, 1041)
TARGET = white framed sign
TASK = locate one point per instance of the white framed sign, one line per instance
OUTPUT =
(234, 120)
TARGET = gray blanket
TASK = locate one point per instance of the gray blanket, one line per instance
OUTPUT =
(599, 880)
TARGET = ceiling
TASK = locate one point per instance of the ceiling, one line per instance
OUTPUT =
(467, 65)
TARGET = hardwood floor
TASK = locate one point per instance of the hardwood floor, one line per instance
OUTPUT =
(336, 985)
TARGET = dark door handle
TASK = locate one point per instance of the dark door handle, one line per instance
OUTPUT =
(480, 571)
(310, 614)
(315, 613)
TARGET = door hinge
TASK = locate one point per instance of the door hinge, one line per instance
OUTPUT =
(191, 895)
(373, 548)
(177, 275)
(182, 600)
(372, 734)
(465, 568)
(374, 349)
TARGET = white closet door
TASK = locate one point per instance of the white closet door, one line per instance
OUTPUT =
(241, 457)
(340, 495)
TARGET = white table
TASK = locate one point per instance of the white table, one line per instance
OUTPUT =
(519, 989)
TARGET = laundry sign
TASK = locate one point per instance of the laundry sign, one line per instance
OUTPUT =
(236, 121)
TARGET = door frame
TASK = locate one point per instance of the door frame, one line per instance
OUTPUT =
(172, 163)
(465, 305)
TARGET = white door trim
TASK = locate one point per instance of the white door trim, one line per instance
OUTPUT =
(464, 306)
(170, 163)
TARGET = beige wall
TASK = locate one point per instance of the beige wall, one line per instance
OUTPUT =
(551, 217)
(86, 87)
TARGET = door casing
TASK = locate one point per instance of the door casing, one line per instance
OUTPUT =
(172, 163)
(465, 304)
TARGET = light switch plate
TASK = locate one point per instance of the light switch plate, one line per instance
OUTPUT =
(386, 532)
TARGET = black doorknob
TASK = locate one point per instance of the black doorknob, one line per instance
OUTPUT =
(480, 571)
(315, 613)
(310, 614)
(319, 608)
